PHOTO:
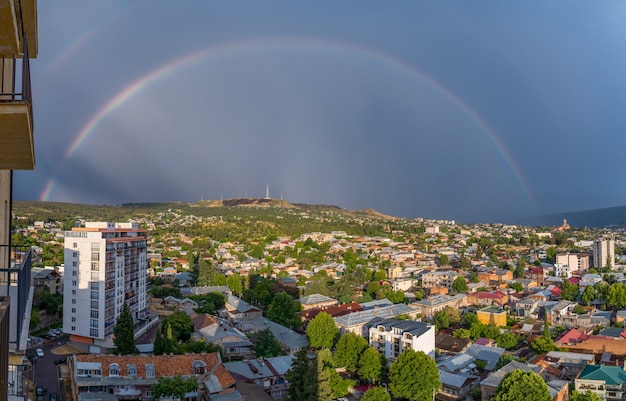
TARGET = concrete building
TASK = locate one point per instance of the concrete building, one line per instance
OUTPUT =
(18, 44)
(105, 267)
(393, 336)
(439, 279)
(576, 261)
(603, 251)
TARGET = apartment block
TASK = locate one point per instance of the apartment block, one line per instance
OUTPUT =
(393, 336)
(603, 251)
(576, 261)
(439, 279)
(105, 267)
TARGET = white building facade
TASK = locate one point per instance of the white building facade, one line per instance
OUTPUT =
(105, 266)
(393, 336)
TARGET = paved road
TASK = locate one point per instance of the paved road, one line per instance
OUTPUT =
(45, 372)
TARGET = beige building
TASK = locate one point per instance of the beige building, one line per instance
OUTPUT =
(575, 261)
(439, 278)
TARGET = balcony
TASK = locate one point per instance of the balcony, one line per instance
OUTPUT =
(18, 21)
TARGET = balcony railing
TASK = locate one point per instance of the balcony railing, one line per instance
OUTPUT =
(10, 91)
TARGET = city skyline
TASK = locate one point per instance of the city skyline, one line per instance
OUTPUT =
(473, 112)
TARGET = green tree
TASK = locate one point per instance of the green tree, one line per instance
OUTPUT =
(542, 345)
(461, 333)
(324, 372)
(460, 285)
(444, 260)
(348, 351)
(168, 341)
(520, 385)
(124, 332)
(569, 291)
(206, 273)
(376, 394)
(507, 340)
(465, 263)
(579, 310)
(518, 287)
(284, 310)
(589, 294)
(234, 283)
(266, 345)
(446, 317)
(35, 318)
(414, 376)
(520, 268)
(175, 387)
(181, 325)
(322, 331)
(370, 365)
(397, 297)
(586, 396)
(302, 378)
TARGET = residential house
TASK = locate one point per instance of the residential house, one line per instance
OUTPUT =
(267, 373)
(316, 301)
(47, 278)
(333, 311)
(290, 341)
(439, 278)
(492, 315)
(495, 276)
(608, 382)
(457, 385)
(131, 377)
(392, 337)
(561, 314)
(238, 310)
(488, 385)
(234, 343)
(451, 345)
(431, 305)
(483, 298)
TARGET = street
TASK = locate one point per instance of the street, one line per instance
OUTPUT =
(45, 372)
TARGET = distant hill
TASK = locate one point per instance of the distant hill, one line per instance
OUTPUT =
(42, 210)
(614, 217)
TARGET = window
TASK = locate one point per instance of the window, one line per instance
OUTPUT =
(93, 332)
(93, 323)
(94, 305)
(95, 276)
(94, 314)
(73, 328)
(95, 256)
(75, 245)
(131, 369)
(74, 254)
(73, 292)
(149, 370)
(73, 320)
(73, 301)
(95, 295)
(74, 283)
(74, 273)
(95, 267)
(73, 310)
(149, 393)
(114, 369)
(74, 264)
(95, 246)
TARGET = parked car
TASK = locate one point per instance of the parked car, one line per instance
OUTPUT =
(54, 397)
(40, 390)
(39, 352)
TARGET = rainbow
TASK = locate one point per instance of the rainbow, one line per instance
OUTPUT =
(223, 50)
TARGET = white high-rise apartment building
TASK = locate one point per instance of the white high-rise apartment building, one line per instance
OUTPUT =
(603, 252)
(105, 266)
